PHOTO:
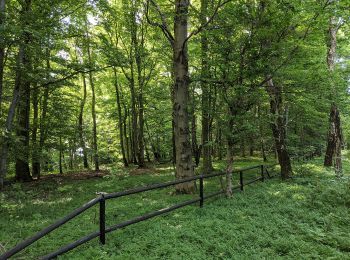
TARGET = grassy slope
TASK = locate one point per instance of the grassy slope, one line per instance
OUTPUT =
(307, 217)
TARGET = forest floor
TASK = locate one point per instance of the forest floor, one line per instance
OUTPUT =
(305, 217)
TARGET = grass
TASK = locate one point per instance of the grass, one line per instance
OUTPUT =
(304, 218)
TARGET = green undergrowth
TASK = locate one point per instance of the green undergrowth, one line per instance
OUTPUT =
(306, 217)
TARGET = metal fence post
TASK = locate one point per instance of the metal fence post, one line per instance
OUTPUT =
(262, 173)
(102, 220)
(201, 187)
(241, 179)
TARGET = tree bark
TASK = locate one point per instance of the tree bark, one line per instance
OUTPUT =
(93, 110)
(334, 141)
(229, 167)
(120, 118)
(81, 124)
(172, 93)
(262, 140)
(36, 162)
(134, 129)
(132, 150)
(184, 165)
(278, 127)
(2, 51)
(137, 47)
(22, 154)
(334, 138)
(206, 109)
(196, 149)
(60, 157)
(43, 127)
(35, 144)
(219, 143)
(125, 126)
(5, 145)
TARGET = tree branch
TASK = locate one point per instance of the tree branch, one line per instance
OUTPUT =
(211, 18)
(73, 74)
(164, 25)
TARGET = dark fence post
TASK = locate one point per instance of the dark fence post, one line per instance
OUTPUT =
(268, 174)
(201, 187)
(241, 179)
(102, 220)
(262, 173)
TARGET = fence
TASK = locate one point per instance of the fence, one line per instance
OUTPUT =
(103, 230)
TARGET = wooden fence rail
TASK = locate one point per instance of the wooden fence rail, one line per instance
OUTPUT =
(101, 199)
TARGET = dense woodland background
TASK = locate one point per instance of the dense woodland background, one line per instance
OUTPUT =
(89, 84)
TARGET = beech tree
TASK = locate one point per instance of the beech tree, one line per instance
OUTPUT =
(334, 139)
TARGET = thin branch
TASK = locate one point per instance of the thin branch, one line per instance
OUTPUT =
(211, 18)
(73, 74)
(163, 26)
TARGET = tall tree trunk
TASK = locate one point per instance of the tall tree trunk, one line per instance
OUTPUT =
(130, 17)
(93, 110)
(262, 141)
(43, 125)
(184, 163)
(206, 108)
(5, 145)
(196, 150)
(81, 124)
(137, 48)
(229, 167)
(219, 143)
(125, 125)
(43, 128)
(22, 154)
(94, 124)
(60, 157)
(172, 93)
(141, 144)
(134, 128)
(334, 139)
(278, 127)
(120, 118)
(229, 152)
(132, 150)
(35, 144)
(2, 51)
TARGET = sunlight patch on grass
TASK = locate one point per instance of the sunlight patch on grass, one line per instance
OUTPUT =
(50, 203)
(298, 197)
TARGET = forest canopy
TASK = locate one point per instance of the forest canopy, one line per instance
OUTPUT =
(87, 84)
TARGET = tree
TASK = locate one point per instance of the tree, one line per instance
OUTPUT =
(2, 50)
(334, 139)
(93, 101)
(184, 165)
(206, 97)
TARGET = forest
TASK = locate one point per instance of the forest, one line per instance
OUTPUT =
(106, 95)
